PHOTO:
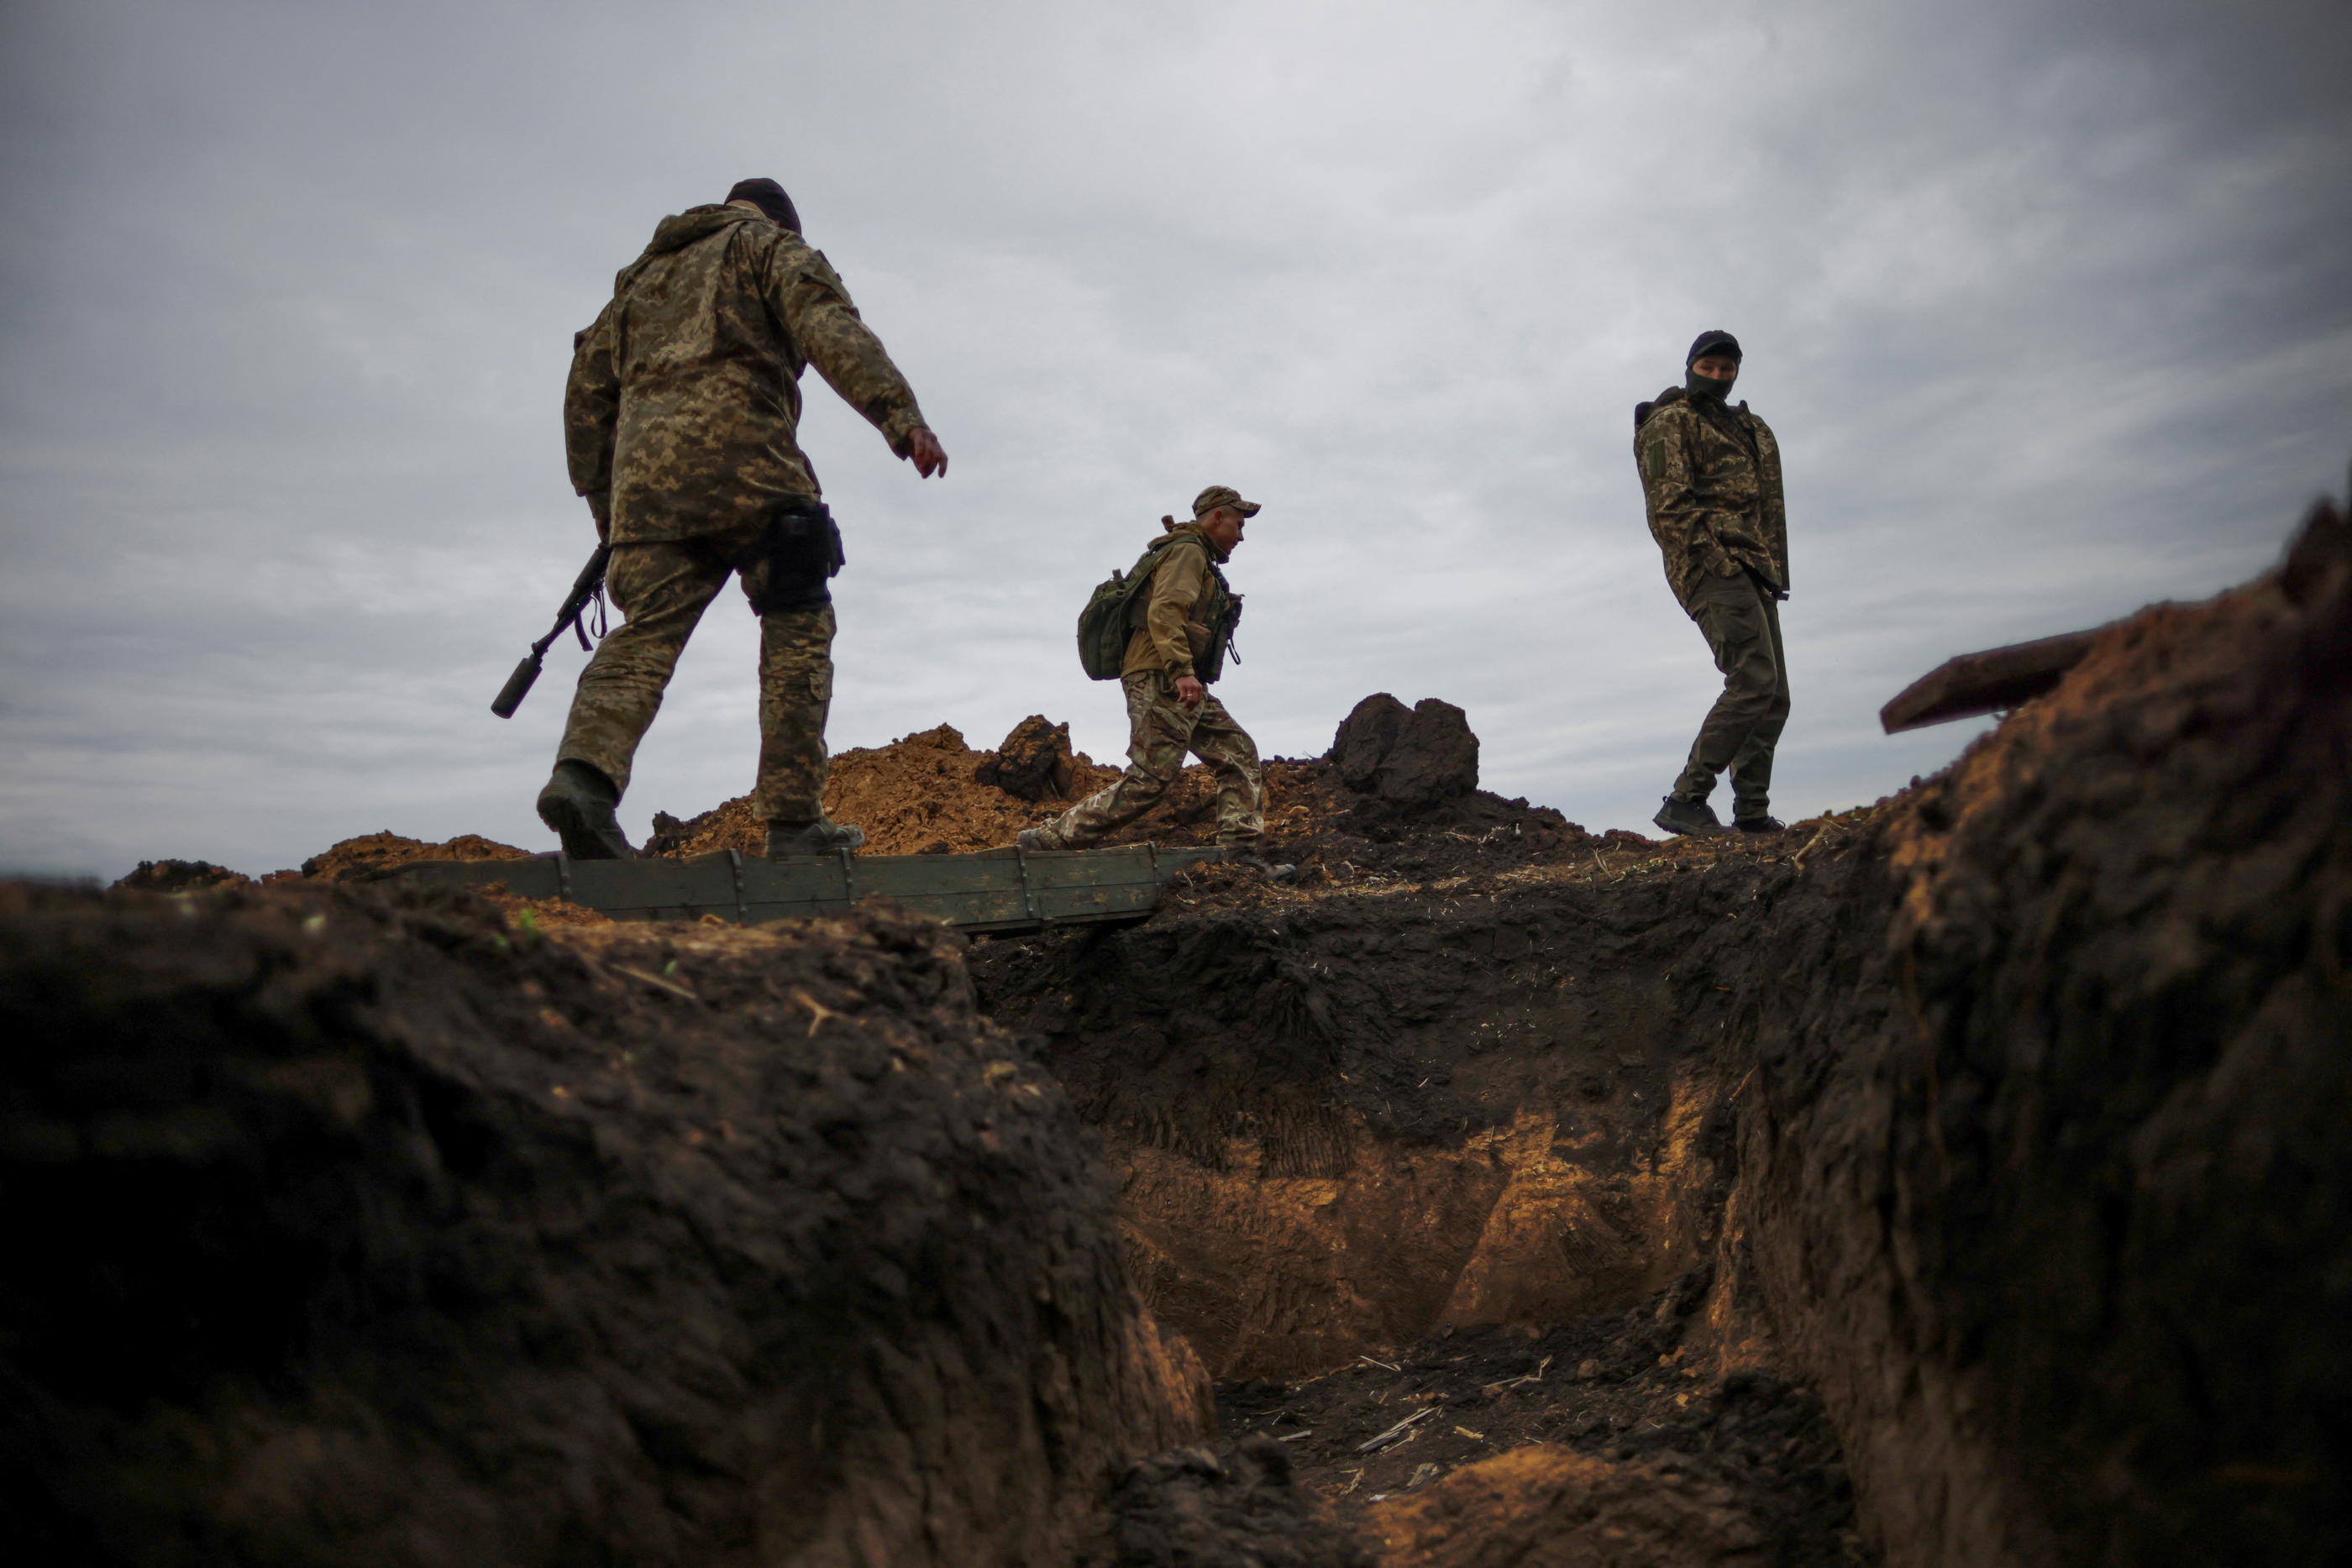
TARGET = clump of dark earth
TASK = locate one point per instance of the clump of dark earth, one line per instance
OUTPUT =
(1204, 1508)
(370, 854)
(346, 1227)
(1033, 763)
(1413, 757)
(181, 876)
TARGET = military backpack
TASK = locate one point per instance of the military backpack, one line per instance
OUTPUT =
(1116, 607)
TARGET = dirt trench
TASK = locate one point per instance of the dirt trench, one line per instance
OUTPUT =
(1466, 1151)
(1959, 1182)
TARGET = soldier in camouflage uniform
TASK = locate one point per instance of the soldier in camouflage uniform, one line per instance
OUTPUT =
(681, 418)
(1168, 709)
(1711, 475)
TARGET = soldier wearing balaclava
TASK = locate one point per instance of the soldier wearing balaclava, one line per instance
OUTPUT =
(1711, 475)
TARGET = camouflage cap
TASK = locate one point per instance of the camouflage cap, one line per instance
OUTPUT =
(1216, 496)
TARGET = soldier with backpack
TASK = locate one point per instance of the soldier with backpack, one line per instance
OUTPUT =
(1162, 631)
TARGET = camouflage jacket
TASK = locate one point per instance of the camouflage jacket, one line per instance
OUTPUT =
(1712, 481)
(1188, 597)
(683, 402)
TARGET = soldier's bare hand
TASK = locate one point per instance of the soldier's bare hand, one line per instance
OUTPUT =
(924, 450)
(1190, 691)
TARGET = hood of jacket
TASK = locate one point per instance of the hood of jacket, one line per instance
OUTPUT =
(682, 229)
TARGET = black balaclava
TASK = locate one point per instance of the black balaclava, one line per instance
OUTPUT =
(1714, 341)
(770, 198)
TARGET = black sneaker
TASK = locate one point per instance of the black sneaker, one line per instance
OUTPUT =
(1694, 818)
(821, 837)
(578, 804)
(1761, 824)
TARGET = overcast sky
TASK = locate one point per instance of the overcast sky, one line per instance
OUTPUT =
(2048, 304)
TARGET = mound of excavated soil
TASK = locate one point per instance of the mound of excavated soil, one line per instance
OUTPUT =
(927, 794)
(916, 795)
(182, 876)
(1401, 806)
(371, 852)
(365, 1228)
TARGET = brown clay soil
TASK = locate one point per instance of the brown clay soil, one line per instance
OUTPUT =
(370, 852)
(921, 795)
(1959, 1180)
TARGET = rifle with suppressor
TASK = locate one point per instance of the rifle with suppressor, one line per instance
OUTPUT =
(584, 589)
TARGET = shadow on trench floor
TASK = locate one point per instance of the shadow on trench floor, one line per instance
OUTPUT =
(1752, 1456)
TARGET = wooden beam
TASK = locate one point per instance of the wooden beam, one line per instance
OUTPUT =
(1991, 682)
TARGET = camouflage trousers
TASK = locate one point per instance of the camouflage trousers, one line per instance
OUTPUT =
(1160, 731)
(1741, 622)
(663, 589)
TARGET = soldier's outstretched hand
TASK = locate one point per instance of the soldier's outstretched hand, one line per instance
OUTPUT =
(924, 450)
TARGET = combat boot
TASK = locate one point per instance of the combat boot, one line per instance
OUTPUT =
(1759, 823)
(822, 837)
(1694, 818)
(578, 804)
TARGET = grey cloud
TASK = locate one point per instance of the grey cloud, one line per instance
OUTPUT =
(2041, 301)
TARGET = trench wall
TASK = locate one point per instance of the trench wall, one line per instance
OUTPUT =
(2046, 1167)
(348, 1230)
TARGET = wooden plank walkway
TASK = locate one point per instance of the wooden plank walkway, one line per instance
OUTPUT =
(995, 890)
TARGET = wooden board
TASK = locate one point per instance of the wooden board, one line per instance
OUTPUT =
(1002, 890)
(1992, 681)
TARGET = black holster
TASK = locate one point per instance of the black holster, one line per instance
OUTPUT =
(796, 555)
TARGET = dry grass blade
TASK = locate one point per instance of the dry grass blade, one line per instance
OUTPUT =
(1396, 1432)
(672, 987)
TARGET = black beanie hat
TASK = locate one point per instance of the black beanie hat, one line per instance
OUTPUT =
(770, 198)
(1714, 340)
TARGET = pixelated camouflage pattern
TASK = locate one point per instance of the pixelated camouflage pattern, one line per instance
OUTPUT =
(663, 587)
(1712, 481)
(1185, 599)
(1741, 623)
(682, 412)
(1160, 732)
